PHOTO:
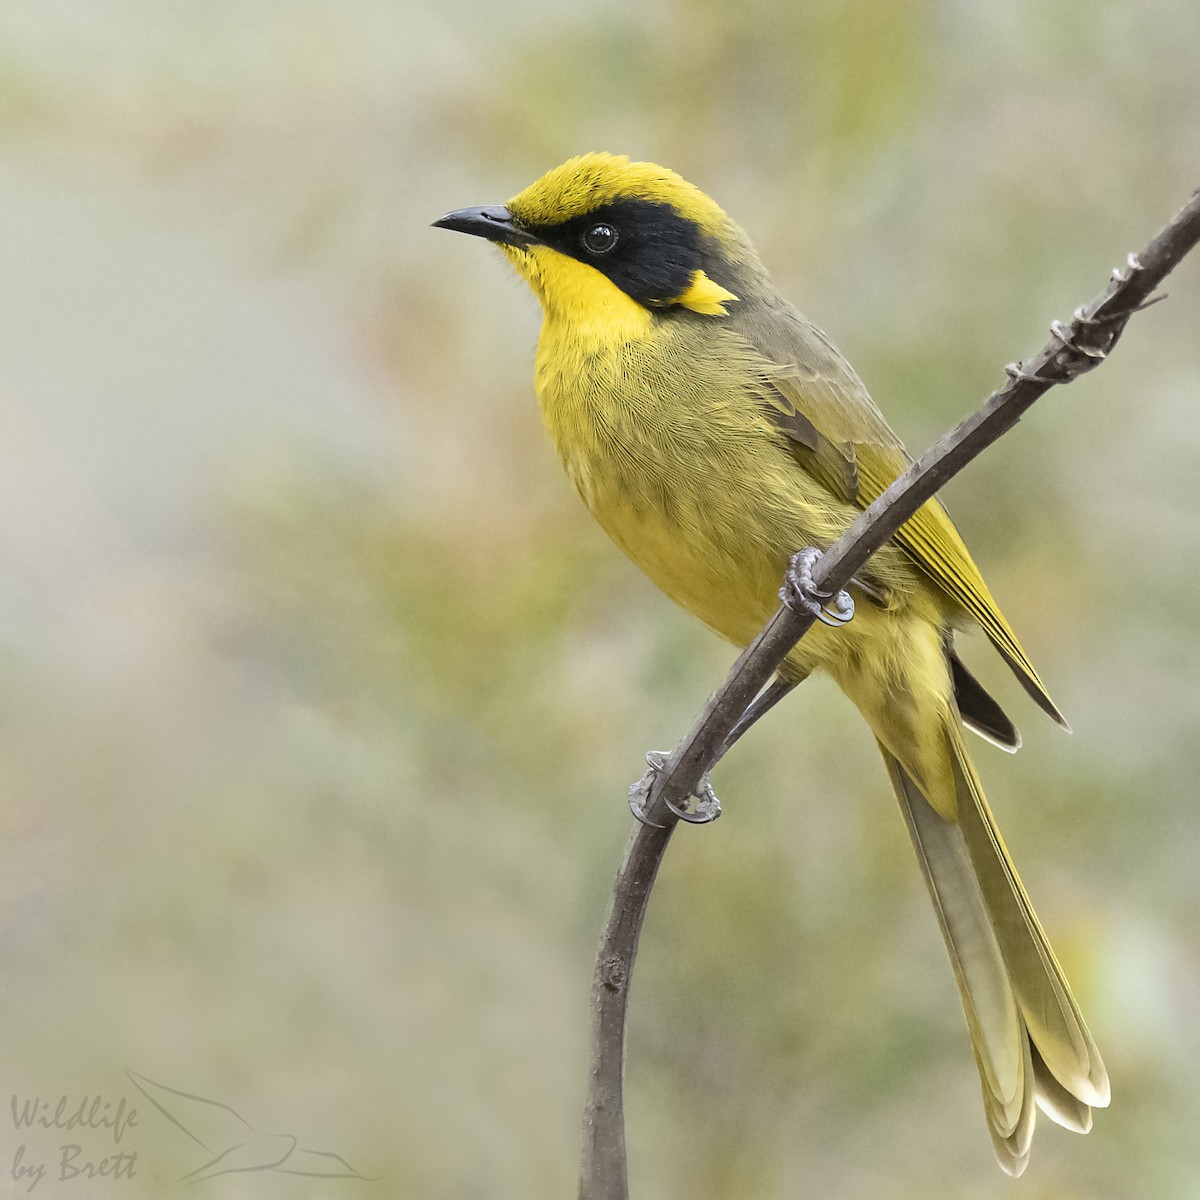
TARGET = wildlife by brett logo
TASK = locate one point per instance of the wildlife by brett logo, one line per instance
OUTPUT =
(69, 1139)
(68, 1142)
(232, 1145)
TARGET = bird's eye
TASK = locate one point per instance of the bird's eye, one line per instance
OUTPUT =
(600, 239)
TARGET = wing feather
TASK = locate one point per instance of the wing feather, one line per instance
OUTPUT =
(837, 433)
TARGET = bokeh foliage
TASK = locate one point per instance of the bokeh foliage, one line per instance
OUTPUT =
(321, 691)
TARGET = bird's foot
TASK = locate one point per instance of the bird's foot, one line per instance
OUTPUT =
(800, 594)
(703, 805)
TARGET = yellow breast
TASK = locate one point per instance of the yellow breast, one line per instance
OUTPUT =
(668, 445)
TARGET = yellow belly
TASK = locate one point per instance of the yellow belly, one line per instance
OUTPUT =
(675, 457)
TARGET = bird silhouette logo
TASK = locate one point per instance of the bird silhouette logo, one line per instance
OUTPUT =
(235, 1145)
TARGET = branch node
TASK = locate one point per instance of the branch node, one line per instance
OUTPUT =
(614, 974)
(1070, 341)
(1133, 264)
(1016, 372)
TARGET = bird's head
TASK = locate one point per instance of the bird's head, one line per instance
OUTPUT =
(601, 231)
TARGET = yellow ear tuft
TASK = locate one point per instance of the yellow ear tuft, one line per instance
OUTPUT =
(705, 296)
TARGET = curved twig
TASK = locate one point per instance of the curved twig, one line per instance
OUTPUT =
(1073, 349)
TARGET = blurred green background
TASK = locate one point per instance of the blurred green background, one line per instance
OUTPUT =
(321, 692)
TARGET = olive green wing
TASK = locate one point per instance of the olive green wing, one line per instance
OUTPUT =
(840, 437)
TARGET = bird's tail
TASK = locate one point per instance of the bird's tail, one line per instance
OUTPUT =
(1030, 1041)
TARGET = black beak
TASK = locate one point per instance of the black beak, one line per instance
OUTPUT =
(494, 223)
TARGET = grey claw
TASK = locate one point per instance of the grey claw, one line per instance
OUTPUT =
(703, 807)
(800, 593)
(639, 812)
(639, 790)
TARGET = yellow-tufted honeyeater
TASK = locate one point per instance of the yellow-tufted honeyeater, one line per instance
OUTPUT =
(713, 431)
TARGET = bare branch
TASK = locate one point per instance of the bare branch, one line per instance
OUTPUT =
(1075, 348)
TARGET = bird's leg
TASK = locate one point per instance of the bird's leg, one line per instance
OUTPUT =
(758, 708)
(703, 805)
(800, 594)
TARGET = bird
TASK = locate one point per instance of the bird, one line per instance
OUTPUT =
(713, 430)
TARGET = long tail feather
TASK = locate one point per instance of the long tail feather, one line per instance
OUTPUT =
(1051, 1012)
(1030, 1042)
